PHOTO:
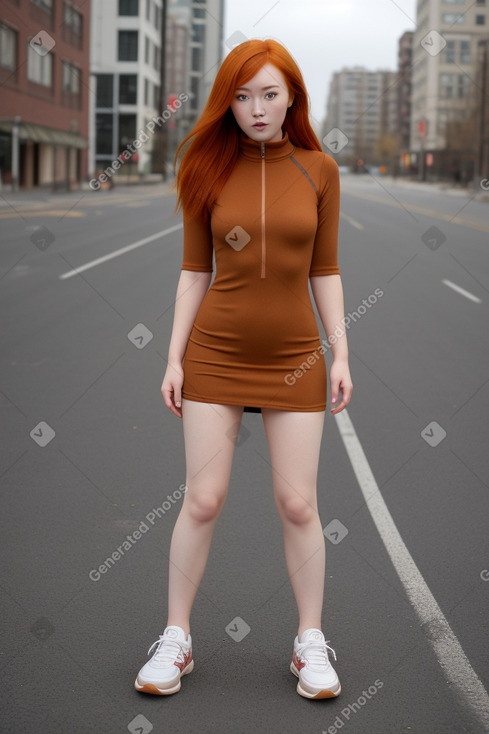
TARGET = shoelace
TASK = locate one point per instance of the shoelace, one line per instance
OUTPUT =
(168, 650)
(315, 653)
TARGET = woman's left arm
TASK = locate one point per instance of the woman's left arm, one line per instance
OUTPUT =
(328, 295)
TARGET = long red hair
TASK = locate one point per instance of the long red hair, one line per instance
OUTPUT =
(211, 148)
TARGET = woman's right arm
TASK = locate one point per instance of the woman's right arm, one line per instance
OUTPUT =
(191, 290)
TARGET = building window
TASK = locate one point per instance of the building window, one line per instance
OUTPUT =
(198, 32)
(446, 86)
(72, 19)
(463, 86)
(450, 52)
(147, 47)
(72, 27)
(128, 7)
(453, 18)
(157, 58)
(148, 9)
(105, 90)
(480, 19)
(194, 92)
(156, 91)
(464, 54)
(104, 131)
(196, 57)
(127, 131)
(128, 46)
(39, 68)
(70, 78)
(481, 2)
(146, 92)
(128, 89)
(8, 47)
(46, 5)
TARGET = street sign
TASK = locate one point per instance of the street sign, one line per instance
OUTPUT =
(422, 128)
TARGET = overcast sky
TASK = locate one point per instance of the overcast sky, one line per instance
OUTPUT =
(325, 35)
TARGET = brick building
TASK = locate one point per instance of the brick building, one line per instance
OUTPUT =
(44, 74)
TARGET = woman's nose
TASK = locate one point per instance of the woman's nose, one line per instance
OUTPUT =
(258, 108)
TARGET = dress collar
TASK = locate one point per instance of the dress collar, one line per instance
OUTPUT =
(252, 149)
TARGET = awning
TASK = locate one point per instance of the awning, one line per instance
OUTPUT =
(48, 135)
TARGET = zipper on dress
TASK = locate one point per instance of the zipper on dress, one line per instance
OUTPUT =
(263, 241)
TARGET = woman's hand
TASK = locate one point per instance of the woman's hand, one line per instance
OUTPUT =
(340, 381)
(171, 388)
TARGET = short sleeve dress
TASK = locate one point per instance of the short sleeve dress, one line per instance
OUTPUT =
(255, 341)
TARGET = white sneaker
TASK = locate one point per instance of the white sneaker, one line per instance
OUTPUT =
(172, 659)
(310, 663)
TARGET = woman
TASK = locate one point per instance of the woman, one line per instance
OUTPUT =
(257, 191)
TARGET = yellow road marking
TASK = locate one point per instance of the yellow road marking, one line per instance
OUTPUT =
(60, 213)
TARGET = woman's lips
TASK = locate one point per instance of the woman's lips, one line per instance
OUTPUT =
(260, 125)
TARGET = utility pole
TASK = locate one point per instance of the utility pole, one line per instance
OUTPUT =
(482, 158)
(15, 153)
(160, 142)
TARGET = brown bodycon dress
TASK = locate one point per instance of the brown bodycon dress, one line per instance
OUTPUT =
(255, 340)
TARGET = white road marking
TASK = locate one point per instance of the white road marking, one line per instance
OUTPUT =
(351, 221)
(446, 646)
(462, 291)
(121, 251)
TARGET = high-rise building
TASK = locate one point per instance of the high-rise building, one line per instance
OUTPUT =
(206, 20)
(152, 65)
(443, 90)
(362, 104)
(126, 40)
(194, 53)
(44, 68)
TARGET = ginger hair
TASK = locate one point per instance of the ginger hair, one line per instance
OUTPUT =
(210, 151)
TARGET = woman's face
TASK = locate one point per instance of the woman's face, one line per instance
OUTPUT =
(259, 107)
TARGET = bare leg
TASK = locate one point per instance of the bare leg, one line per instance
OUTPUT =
(209, 447)
(294, 441)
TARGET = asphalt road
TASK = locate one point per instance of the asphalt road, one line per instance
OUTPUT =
(89, 454)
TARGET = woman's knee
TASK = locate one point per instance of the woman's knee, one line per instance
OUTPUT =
(295, 509)
(204, 505)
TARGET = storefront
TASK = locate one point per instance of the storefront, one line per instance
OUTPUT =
(46, 157)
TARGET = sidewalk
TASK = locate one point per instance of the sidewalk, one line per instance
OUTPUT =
(444, 187)
(47, 195)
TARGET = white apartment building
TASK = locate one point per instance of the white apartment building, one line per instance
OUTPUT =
(128, 99)
(125, 68)
(443, 75)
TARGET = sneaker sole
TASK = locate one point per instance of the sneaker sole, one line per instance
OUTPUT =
(152, 688)
(323, 693)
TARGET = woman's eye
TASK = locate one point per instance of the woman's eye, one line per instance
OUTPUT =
(241, 97)
(271, 95)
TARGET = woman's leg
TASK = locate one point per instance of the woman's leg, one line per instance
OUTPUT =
(210, 435)
(294, 440)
